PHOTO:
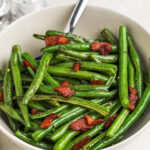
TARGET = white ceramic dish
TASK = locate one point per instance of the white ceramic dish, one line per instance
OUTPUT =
(93, 20)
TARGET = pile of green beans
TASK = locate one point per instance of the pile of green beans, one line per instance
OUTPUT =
(27, 88)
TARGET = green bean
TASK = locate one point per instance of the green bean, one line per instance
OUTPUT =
(63, 129)
(48, 112)
(23, 136)
(63, 57)
(108, 69)
(131, 76)
(123, 84)
(81, 74)
(54, 61)
(136, 61)
(18, 87)
(53, 103)
(117, 123)
(131, 119)
(94, 141)
(39, 36)
(108, 35)
(92, 94)
(105, 58)
(38, 78)
(84, 103)
(78, 55)
(7, 91)
(94, 131)
(11, 112)
(74, 46)
(47, 78)
(93, 58)
(87, 55)
(37, 105)
(31, 72)
(70, 36)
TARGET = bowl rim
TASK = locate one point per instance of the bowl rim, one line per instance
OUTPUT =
(12, 137)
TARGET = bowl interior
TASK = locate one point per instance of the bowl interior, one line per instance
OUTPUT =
(93, 20)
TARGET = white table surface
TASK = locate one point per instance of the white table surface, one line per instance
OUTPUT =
(140, 11)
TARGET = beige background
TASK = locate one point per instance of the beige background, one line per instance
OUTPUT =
(140, 11)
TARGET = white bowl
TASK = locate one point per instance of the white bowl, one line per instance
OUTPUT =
(93, 20)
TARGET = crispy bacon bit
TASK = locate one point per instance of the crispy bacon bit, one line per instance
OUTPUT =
(80, 125)
(55, 40)
(65, 83)
(76, 67)
(132, 98)
(81, 143)
(110, 121)
(91, 121)
(97, 82)
(1, 97)
(35, 111)
(27, 64)
(104, 48)
(48, 120)
(65, 91)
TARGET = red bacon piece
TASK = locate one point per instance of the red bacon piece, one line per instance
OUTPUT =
(63, 83)
(76, 67)
(91, 121)
(110, 121)
(27, 64)
(80, 125)
(97, 82)
(132, 98)
(55, 40)
(35, 111)
(81, 143)
(65, 91)
(104, 48)
(48, 120)
(1, 97)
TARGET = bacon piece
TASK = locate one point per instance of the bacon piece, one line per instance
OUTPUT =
(55, 40)
(63, 83)
(104, 48)
(81, 143)
(97, 82)
(80, 125)
(35, 111)
(91, 121)
(132, 98)
(76, 67)
(27, 64)
(48, 120)
(65, 91)
(1, 97)
(110, 121)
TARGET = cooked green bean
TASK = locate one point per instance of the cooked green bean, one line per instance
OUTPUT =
(7, 92)
(18, 86)
(108, 36)
(63, 57)
(38, 78)
(108, 69)
(123, 82)
(74, 46)
(70, 36)
(131, 77)
(39, 36)
(136, 61)
(37, 105)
